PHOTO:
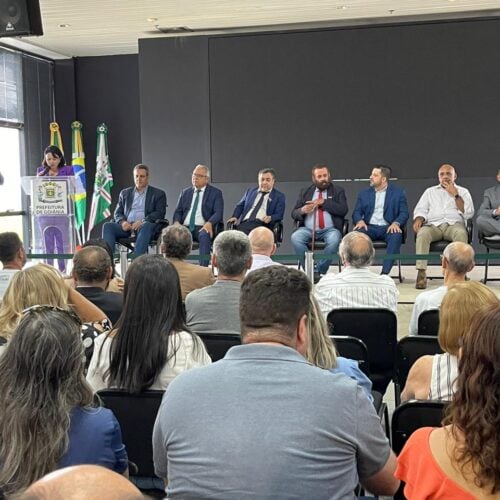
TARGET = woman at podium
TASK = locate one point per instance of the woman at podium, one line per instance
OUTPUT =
(55, 228)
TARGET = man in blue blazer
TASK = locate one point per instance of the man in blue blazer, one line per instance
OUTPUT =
(380, 212)
(137, 210)
(260, 206)
(200, 208)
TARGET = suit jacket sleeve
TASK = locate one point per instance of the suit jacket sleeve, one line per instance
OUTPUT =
(218, 211)
(238, 210)
(119, 214)
(488, 204)
(158, 206)
(358, 212)
(337, 204)
(279, 211)
(296, 212)
(179, 212)
(403, 214)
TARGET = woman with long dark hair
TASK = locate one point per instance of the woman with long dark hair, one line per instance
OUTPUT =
(462, 459)
(48, 416)
(150, 344)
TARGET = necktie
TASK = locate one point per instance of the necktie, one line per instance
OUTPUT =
(193, 211)
(321, 215)
(255, 211)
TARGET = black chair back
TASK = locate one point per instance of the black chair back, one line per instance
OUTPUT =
(413, 415)
(136, 414)
(218, 344)
(377, 328)
(409, 349)
(428, 322)
(353, 348)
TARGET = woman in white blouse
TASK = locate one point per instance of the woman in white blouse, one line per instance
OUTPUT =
(150, 344)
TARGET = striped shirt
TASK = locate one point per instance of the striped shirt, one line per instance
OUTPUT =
(443, 377)
(356, 288)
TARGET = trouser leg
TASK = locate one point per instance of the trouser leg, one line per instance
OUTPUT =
(300, 239)
(488, 225)
(425, 236)
(331, 237)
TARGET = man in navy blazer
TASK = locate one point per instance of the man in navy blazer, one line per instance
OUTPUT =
(260, 206)
(380, 212)
(137, 210)
(200, 208)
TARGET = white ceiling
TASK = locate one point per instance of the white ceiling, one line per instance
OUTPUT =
(104, 27)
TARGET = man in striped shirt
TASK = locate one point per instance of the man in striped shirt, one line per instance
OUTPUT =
(356, 286)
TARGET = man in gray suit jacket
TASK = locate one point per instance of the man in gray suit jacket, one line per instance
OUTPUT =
(488, 221)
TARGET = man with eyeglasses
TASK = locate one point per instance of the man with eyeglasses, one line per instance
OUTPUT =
(200, 209)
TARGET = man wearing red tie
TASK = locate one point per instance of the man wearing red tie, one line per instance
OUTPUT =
(321, 208)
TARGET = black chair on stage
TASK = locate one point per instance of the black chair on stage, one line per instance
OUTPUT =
(277, 231)
(218, 344)
(377, 328)
(428, 322)
(136, 414)
(382, 245)
(408, 350)
(491, 243)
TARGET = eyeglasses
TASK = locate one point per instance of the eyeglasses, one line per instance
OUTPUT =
(199, 176)
(47, 307)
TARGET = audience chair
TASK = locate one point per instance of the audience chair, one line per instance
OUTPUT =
(491, 243)
(277, 231)
(353, 348)
(382, 245)
(127, 244)
(218, 344)
(408, 350)
(136, 414)
(377, 328)
(428, 322)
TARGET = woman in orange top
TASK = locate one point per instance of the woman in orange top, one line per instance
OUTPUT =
(462, 460)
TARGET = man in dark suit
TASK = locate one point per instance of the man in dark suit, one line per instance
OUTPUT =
(137, 210)
(92, 270)
(488, 221)
(260, 206)
(321, 207)
(380, 212)
(200, 208)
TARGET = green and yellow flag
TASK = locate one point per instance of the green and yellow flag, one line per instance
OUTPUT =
(78, 162)
(55, 136)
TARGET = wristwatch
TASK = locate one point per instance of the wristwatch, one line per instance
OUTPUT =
(457, 196)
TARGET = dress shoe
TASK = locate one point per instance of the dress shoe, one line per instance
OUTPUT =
(421, 280)
(317, 277)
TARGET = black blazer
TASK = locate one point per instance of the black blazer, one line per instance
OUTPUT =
(335, 204)
(110, 303)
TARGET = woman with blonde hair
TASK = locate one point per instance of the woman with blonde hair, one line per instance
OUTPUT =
(462, 459)
(434, 377)
(321, 351)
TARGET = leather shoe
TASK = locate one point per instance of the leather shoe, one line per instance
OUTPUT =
(421, 280)
(317, 277)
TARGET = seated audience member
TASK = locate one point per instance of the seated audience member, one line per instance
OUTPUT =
(457, 260)
(214, 309)
(44, 284)
(356, 286)
(488, 220)
(461, 460)
(12, 256)
(263, 246)
(268, 414)
(48, 418)
(82, 482)
(116, 282)
(434, 377)
(321, 351)
(176, 243)
(150, 345)
(260, 206)
(92, 271)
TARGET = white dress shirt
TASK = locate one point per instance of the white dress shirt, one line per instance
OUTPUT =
(263, 208)
(425, 302)
(199, 220)
(259, 261)
(377, 218)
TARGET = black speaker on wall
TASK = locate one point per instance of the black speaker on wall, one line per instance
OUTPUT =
(20, 17)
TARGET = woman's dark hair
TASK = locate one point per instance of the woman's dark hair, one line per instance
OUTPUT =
(41, 382)
(101, 242)
(152, 312)
(475, 410)
(54, 151)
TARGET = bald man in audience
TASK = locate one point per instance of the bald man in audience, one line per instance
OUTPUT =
(263, 246)
(12, 257)
(82, 482)
(457, 261)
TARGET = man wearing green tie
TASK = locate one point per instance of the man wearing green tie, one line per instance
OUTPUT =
(200, 207)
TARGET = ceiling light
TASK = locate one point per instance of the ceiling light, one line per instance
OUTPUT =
(64, 25)
(151, 19)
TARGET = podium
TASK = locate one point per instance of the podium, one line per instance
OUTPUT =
(52, 218)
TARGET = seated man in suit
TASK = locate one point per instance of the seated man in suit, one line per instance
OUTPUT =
(200, 208)
(260, 206)
(488, 221)
(137, 210)
(380, 212)
(321, 208)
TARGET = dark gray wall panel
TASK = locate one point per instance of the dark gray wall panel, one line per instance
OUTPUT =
(65, 99)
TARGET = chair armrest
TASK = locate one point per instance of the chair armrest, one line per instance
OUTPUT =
(469, 231)
(230, 225)
(345, 227)
(278, 232)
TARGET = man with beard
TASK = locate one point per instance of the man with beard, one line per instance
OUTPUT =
(321, 208)
(488, 221)
(380, 212)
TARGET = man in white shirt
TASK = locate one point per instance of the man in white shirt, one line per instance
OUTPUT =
(12, 256)
(356, 286)
(440, 214)
(263, 246)
(457, 261)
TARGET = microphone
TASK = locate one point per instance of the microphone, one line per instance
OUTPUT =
(44, 172)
